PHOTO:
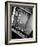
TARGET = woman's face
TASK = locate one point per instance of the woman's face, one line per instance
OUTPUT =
(22, 19)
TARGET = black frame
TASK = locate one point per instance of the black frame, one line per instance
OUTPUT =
(6, 30)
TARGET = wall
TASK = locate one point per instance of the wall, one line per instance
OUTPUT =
(37, 22)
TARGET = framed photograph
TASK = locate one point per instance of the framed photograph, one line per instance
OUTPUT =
(20, 22)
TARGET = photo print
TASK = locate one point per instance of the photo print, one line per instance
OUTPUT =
(21, 22)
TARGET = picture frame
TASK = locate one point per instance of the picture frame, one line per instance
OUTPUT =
(25, 8)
